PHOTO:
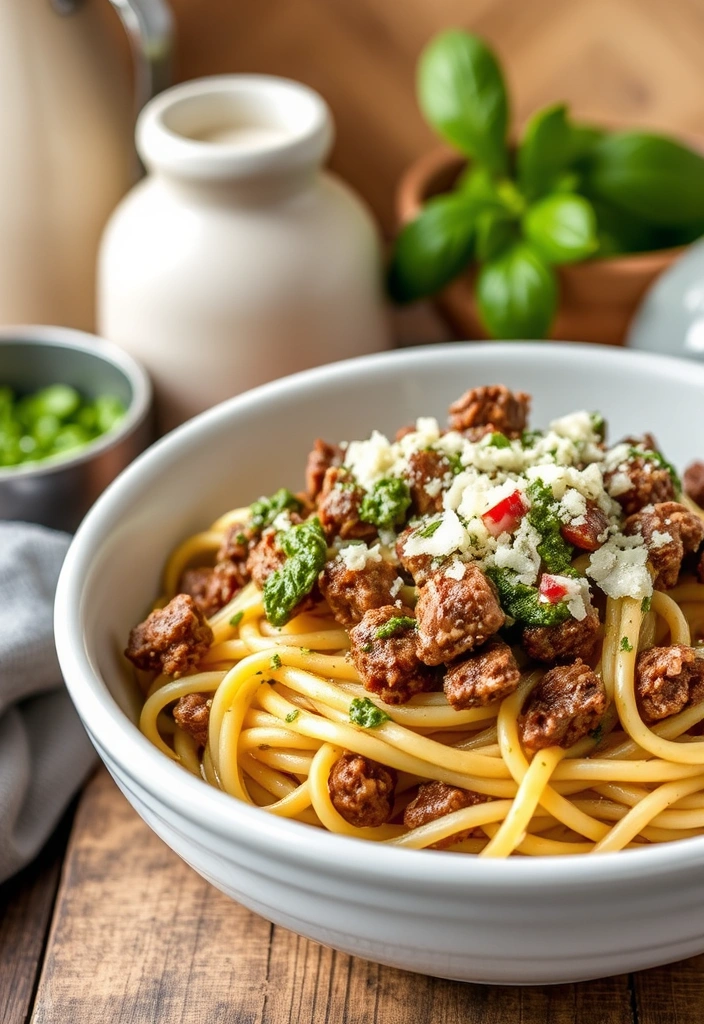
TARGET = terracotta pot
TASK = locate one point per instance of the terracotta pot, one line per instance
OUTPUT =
(597, 297)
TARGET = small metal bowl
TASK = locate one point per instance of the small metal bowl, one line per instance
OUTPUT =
(59, 491)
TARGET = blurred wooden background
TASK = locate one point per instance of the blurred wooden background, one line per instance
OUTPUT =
(638, 61)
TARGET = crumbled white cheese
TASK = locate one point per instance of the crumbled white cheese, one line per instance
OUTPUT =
(449, 537)
(519, 552)
(356, 556)
(619, 483)
(396, 586)
(617, 456)
(577, 427)
(573, 507)
(619, 567)
(456, 570)
(659, 539)
(282, 522)
(433, 487)
(370, 460)
(577, 595)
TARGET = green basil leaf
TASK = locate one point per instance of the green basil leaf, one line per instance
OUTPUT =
(545, 150)
(651, 176)
(433, 248)
(462, 94)
(561, 228)
(496, 231)
(478, 184)
(619, 231)
(517, 294)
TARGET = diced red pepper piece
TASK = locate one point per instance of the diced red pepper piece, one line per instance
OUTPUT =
(585, 536)
(552, 589)
(505, 516)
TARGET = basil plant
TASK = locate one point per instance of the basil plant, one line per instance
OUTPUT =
(566, 192)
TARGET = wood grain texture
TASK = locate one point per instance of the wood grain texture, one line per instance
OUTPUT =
(138, 937)
(624, 61)
(26, 903)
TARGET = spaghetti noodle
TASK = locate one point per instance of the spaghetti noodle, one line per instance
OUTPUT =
(298, 684)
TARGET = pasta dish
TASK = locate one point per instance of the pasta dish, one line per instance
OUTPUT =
(477, 637)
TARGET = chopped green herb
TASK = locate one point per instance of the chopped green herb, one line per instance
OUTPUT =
(236, 619)
(498, 440)
(365, 713)
(305, 650)
(431, 528)
(598, 424)
(522, 603)
(659, 460)
(529, 437)
(367, 648)
(265, 511)
(554, 550)
(306, 548)
(455, 461)
(292, 716)
(241, 538)
(275, 661)
(625, 645)
(398, 624)
(386, 504)
(645, 605)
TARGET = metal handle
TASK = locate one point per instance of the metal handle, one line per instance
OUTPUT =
(150, 27)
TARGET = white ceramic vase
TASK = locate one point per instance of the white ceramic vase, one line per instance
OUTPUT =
(237, 259)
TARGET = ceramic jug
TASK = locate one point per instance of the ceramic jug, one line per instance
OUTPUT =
(238, 259)
(67, 112)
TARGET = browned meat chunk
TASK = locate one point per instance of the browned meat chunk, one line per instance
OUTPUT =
(352, 592)
(585, 536)
(435, 800)
(171, 639)
(265, 557)
(419, 567)
(455, 616)
(388, 664)
(493, 407)
(428, 471)
(670, 532)
(320, 459)
(567, 703)
(361, 790)
(650, 481)
(693, 482)
(488, 675)
(235, 547)
(667, 679)
(573, 638)
(192, 713)
(338, 507)
(211, 589)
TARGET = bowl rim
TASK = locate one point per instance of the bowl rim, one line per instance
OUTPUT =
(70, 338)
(218, 813)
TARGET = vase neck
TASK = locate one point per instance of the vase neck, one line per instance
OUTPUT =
(250, 135)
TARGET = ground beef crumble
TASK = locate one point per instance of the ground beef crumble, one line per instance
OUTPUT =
(670, 532)
(428, 474)
(171, 639)
(493, 408)
(352, 592)
(436, 800)
(455, 616)
(192, 714)
(339, 503)
(667, 679)
(490, 674)
(693, 482)
(566, 704)
(320, 459)
(573, 638)
(362, 790)
(389, 667)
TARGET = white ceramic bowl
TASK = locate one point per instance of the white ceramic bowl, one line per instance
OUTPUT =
(525, 920)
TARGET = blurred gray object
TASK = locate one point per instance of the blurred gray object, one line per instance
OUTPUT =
(59, 493)
(670, 318)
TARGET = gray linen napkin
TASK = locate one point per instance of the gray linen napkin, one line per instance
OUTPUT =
(44, 751)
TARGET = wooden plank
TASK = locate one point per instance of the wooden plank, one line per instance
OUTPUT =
(137, 936)
(672, 994)
(26, 902)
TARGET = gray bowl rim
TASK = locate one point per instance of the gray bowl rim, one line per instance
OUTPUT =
(71, 338)
(217, 813)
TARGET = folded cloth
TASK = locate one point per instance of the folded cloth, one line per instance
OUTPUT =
(44, 751)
